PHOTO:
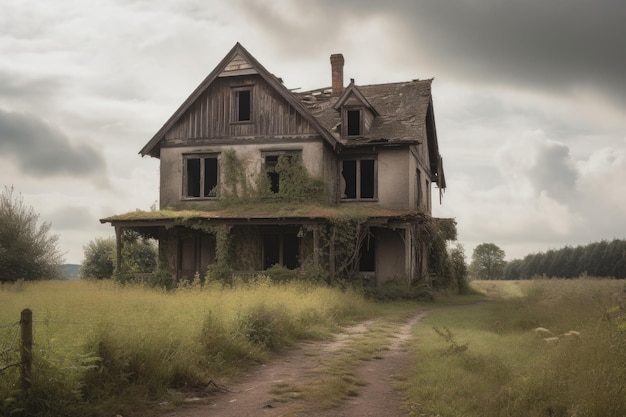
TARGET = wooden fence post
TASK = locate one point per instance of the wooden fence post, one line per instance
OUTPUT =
(26, 324)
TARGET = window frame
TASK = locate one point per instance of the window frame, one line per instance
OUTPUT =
(235, 107)
(358, 177)
(202, 157)
(346, 118)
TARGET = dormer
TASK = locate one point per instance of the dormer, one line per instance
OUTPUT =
(357, 113)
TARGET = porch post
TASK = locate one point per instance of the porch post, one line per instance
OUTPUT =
(331, 256)
(408, 253)
(316, 245)
(118, 249)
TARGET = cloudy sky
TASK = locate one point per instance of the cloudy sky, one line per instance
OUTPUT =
(530, 100)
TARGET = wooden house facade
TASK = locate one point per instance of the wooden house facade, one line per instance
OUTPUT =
(371, 151)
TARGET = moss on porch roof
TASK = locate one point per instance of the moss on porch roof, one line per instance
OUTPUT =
(268, 211)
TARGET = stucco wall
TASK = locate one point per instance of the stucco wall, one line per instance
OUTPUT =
(393, 178)
(315, 157)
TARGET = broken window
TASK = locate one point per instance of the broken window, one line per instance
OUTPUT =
(242, 108)
(201, 176)
(353, 122)
(281, 249)
(272, 168)
(359, 176)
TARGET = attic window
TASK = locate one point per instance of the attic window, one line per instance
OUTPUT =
(201, 176)
(353, 122)
(242, 104)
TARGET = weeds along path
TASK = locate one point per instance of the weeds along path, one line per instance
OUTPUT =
(351, 375)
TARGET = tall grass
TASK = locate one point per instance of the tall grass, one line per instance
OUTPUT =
(102, 349)
(506, 369)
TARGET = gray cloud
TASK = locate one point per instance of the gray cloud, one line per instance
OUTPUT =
(554, 171)
(555, 45)
(559, 46)
(539, 163)
(17, 86)
(43, 150)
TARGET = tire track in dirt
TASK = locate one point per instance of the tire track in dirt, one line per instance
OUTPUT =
(253, 394)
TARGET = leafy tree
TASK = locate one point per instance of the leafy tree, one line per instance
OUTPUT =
(139, 255)
(458, 267)
(99, 257)
(487, 262)
(27, 250)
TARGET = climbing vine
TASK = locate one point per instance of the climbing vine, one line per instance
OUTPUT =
(295, 183)
(235, 185)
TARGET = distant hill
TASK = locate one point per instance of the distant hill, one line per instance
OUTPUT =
(70, 271)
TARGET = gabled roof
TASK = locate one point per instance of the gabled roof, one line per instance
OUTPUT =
(350, 90)
(237, 62)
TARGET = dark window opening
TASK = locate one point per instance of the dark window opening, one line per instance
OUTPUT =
(271, 251)
(193, 177)
(210, 176)
(349, 175)
(291, 249)
(281, 249)
(202, 177)
(367, 178)
(244, 105)
(360, 179)
(354, 122)
(367, 255)
(270, 167)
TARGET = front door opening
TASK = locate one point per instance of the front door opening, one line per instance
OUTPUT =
(367, 255)
(281, 249)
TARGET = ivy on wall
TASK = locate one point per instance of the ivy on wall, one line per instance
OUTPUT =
(296, 185)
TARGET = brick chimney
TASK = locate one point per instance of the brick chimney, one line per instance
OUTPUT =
(336, 64)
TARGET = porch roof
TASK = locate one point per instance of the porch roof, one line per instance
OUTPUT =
(266, 214)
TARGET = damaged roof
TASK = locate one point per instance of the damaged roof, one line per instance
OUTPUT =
(402, 111)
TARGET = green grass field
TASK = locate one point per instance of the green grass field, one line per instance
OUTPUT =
(492, 363)
(100, 348)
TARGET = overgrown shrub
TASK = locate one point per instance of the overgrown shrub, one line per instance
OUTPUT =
(398, 289)
(265, 326)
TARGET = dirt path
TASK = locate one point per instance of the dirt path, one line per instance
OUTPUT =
(266, 390)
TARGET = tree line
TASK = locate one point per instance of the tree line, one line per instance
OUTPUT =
(598, 259)
(605, 259)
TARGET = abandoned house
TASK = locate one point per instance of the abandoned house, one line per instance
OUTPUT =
(253, 175)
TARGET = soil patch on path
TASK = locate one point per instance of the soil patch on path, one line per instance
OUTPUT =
(283, 386)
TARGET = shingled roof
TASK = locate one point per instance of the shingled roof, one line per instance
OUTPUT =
(402, 111)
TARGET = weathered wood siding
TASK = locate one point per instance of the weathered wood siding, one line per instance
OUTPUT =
(211, 115)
